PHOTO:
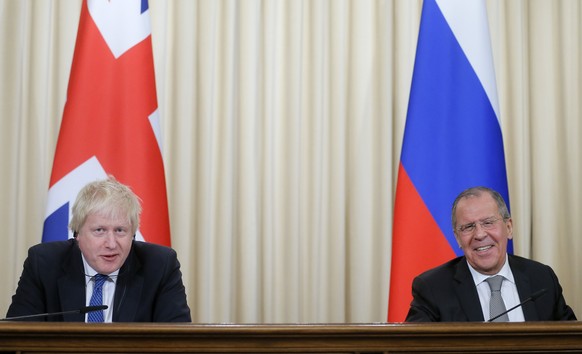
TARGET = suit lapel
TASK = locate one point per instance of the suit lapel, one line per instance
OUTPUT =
(467, 292)
(128, 290)
(71, 285)
(523, 285)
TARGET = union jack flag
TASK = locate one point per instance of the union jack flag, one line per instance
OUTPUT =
(110, 121)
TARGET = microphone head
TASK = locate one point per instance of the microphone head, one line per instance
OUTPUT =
(93, 308)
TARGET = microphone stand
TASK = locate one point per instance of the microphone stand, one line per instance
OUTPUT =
(531, 298)
(82, 310)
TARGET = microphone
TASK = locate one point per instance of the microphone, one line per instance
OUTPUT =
(533, 297)
(82, 310)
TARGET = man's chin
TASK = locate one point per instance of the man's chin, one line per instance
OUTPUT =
(488, 268)
(107, 268)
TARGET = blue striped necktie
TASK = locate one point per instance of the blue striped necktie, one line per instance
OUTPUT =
(97, 298)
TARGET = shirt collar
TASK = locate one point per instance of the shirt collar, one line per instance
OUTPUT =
(90, 272)
(505, 271)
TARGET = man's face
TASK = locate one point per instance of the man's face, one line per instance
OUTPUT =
(485, 236)
(105, 241)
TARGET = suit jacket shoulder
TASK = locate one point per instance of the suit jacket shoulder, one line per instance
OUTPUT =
(51, 281)
(532, 276)
(149, 287)
(444, 294)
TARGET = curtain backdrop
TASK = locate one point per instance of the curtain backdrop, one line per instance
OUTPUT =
(282, 125)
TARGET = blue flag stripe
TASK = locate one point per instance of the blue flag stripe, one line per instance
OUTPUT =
(56, 225)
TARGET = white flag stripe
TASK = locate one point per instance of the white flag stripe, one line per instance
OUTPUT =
(468, 21)
(110, 16)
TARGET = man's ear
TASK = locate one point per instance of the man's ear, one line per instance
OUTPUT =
(457, 238)
(509, 225)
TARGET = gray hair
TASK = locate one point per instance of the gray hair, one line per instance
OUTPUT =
(476, 192)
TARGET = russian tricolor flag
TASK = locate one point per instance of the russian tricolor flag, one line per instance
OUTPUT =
(110, 122)
(452, 140)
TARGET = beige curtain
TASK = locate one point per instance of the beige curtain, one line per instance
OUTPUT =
(282, 124)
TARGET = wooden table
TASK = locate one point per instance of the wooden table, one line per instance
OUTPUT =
(542, 337)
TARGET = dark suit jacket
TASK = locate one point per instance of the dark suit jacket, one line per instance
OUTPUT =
(149, 287)
(448, 293)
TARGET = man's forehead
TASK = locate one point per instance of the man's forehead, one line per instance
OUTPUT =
(476, 203)
(111, 216)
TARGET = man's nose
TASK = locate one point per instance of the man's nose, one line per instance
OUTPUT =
(110, 239)
(480, 230)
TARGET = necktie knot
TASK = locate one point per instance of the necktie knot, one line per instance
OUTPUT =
(99, 280)
(495, 282)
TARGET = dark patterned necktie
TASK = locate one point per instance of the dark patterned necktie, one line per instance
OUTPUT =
(496, 305)
(97, 298)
